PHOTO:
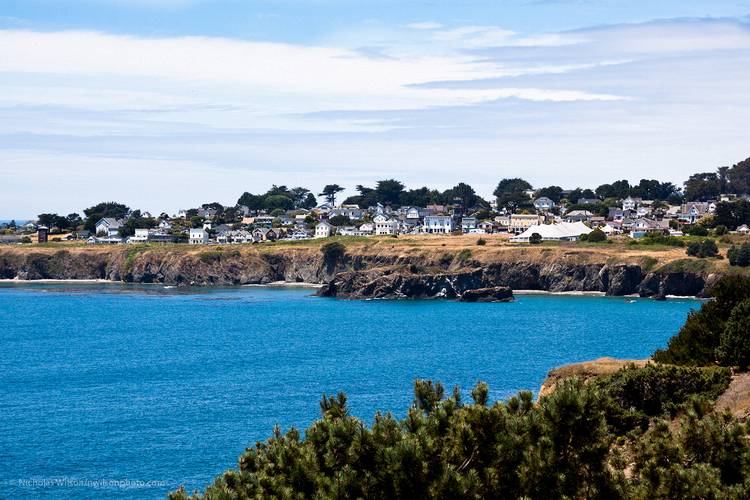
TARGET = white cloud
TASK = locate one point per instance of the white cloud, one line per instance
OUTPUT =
(424, 25)
(471, 103)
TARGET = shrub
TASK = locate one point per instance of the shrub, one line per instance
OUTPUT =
(463, 255)
(703, 249)
(656, 238)
(698, 339)
(734, 343)
(657, 390)
(333, 253)
(481, 242)
(697, 230)
(535, 239)
(596, 236)
(445, 259)
(739, 256)
(721, 230)
(561, 447)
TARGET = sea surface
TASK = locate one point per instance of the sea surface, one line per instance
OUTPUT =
(129, 391)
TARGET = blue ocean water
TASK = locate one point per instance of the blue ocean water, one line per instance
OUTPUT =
(130, 391)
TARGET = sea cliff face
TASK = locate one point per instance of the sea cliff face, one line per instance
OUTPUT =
(361, 274)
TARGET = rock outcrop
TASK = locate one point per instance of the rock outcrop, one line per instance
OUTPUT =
(492, 294)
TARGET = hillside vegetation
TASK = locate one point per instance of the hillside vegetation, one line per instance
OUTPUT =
(645, 430)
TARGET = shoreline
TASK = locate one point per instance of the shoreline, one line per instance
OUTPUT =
(304, 284)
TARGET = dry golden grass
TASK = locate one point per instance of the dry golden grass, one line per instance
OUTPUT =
(497, 248)
(587, 370)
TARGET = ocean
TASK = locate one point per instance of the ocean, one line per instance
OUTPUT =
(129, 391)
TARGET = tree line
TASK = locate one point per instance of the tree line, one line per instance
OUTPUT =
(510, 193)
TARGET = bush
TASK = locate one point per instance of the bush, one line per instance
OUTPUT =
(596, 236)
(657, 390)
(535, 239)
(734, 343)
(561, 447)
(721, 230)
(656, 238)
(697, 230)
(446, 259)
(703, 249)
(697, 341)
(481, 242)
(739, 256)
(333, 253)
(463, 255)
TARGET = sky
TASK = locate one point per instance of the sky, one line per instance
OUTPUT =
(167, 104)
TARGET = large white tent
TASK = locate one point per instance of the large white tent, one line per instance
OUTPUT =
(569, 231)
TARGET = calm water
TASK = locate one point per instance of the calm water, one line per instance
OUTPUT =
(105, 383)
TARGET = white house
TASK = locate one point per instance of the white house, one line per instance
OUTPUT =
(108, 225)
(438, 224)
(198, 236)
(743, 229)
(367, 228)
(630, 203)
(323, 230)
(387, 227)
(544, 204)
(468, 224)
(165, 224)
(140, 236)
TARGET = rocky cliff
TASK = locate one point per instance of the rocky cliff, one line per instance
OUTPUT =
(364, 271)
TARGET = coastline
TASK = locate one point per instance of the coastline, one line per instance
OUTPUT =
(310, 285)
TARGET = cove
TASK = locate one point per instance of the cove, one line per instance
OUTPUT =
(130, 391)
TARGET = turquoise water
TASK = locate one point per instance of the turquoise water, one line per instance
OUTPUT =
(105, 388)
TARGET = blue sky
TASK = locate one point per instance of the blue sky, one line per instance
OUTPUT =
(165, 104)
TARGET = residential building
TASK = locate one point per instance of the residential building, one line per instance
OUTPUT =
(107, 225)
(691, 212)
(438, 224)
(468, 224)
(367, 228)
(518, 223)
(543, 204)
(387, 227)
(578, 216)
(198, 236)
(323, 230)
(630, 203)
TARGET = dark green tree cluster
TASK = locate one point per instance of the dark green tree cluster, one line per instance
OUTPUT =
(279, 197)
(703, 249)
(732, 214)
(394, 193)
(709, 185)
(71, 221)
(105, 209)
(739, 255)
(608, 440)
(648, 189)
(705, 331)
(595, 236)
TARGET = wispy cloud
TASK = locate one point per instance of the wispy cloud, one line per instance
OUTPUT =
(424, 25)
(428, 104)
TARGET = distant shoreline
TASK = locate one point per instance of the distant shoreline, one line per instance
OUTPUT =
(297, 284)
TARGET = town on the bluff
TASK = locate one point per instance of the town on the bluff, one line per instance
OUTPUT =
(719, 200)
